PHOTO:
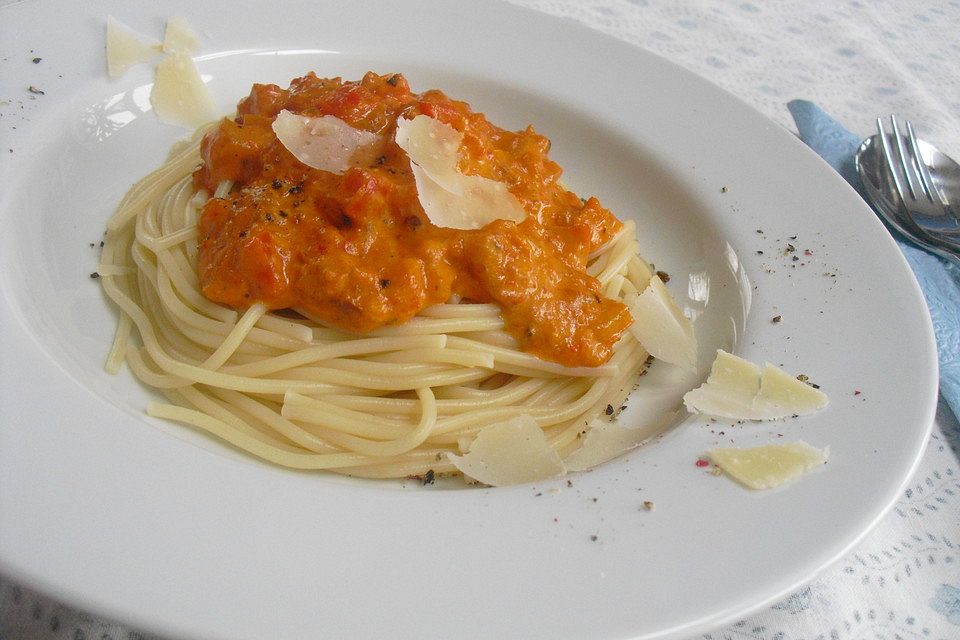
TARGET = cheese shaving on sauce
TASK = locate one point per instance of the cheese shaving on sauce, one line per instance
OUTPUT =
(178, 36)
(434, 147)
(126, 48)
(511, 452)
(660, 326)
(179, 95)
(769, 466)
(739, 389)
(448, 197)
(326, 142)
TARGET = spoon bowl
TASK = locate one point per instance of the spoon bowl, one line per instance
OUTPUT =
(929, 222)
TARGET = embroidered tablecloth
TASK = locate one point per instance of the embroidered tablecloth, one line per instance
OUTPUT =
(856, 59)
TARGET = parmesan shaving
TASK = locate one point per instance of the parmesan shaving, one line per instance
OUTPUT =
(449, 198)
(605, 440)
(769, 466)
(511, 452)
(326, 142)
(126, 48)
(179, 95)
(435, 147)
(739, 389)
(660, 326)
(178, 36)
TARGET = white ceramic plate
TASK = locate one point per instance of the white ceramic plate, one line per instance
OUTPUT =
(149, 523)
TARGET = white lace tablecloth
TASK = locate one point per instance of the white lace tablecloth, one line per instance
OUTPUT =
(857, 59)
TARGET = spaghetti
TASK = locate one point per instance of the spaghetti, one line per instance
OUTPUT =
(295, 389)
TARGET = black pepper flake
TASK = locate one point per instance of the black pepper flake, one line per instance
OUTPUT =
(593, 538)
(268, 217)
(392, 80)
(609, 410)
(36, 60)
(664, 276)
(34, 90)
(803, 377)
(276, 184)
(429, 477)
(384, 283)
(759, 252)
(723, 189)
(94, 275)
(790, 249)
(295, 189)
(243, 234)
(776, 319)
(381, 160)
(345, 221)
(282, 213)
(413, 222)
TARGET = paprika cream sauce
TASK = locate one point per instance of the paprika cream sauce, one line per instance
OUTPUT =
(357, 250)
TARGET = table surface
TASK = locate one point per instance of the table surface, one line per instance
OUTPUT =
(857, 59)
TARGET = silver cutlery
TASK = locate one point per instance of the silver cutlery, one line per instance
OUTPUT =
(914, 186)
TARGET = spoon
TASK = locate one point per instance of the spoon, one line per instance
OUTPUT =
(938, 230)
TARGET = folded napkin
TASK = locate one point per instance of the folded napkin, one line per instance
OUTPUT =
(939, 279)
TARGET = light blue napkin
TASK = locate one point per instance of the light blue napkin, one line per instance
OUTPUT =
(939, 279)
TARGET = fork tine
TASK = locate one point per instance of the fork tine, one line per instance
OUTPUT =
(888, 157)
(922, 171)
(904, 160)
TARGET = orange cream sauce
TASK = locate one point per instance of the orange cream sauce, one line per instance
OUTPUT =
(357, 250)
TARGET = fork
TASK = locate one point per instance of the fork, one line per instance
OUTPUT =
(923, 208)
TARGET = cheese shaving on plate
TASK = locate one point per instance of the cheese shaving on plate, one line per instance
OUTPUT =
(179, 95)
(326, 142)
(769, 466)
(605, 440)
(126, 48)
(739, 389)
(511, 452)
(448, 197)
(178, 36)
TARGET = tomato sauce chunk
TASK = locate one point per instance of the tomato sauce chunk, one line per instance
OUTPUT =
(357, 251)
